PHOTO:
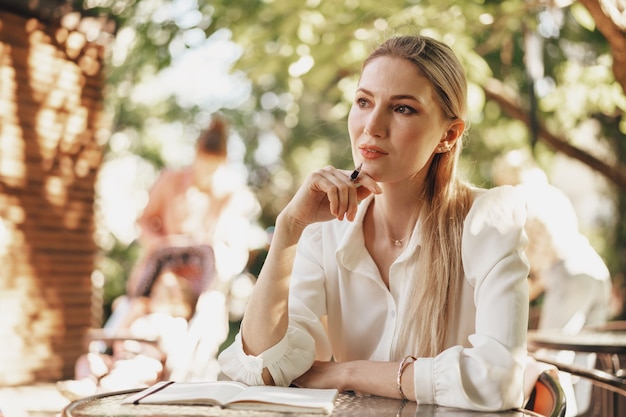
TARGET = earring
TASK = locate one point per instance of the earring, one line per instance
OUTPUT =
(445, 147)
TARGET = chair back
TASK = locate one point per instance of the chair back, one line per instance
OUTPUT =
(547, 397)
(196, 264)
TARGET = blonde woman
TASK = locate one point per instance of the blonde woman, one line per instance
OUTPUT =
(398, 279)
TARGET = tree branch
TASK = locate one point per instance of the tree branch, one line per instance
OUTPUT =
(497, 91)
(610, 18)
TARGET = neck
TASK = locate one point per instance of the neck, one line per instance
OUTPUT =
(395, 218)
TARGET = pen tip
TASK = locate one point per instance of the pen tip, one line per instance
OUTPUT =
(356, 173)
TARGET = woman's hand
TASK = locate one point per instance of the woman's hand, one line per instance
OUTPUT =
(324, 375)
(329, 193)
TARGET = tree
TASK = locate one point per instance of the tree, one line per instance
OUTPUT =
(303, 60)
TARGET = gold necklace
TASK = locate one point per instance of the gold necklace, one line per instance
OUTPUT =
(397, 242)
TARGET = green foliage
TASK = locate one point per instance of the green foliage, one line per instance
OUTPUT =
(303, 59)
(115, 266)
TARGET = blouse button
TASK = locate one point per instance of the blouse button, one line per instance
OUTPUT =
(392, 314)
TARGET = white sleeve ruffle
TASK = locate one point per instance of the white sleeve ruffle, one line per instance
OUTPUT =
(286, 360)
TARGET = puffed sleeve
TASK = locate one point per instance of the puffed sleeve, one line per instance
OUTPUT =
(489, 374)
(306, 337)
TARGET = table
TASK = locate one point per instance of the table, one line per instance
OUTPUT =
(590, 341)
(608, 345)
(346, 405)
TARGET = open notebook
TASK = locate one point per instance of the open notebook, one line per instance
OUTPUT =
(234, 395)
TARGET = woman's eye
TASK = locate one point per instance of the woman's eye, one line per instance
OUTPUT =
(361, 102)
(405, 109)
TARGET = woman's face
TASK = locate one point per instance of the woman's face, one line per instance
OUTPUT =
(395, 123)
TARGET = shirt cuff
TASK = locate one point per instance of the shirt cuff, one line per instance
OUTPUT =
(271, 358)
(423, 380)
(241, 367)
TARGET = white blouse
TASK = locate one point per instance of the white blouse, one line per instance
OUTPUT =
(340, 309)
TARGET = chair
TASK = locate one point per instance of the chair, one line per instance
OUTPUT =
(194, 263)
(547, 397)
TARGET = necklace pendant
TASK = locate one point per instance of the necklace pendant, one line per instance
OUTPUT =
(398, 243)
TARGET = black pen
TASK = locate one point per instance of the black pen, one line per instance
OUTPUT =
(356, 173)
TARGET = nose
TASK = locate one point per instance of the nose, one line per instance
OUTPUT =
(376, 124)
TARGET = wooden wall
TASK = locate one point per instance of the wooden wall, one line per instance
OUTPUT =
(50, 118)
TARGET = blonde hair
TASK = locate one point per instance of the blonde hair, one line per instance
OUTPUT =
(430, 308)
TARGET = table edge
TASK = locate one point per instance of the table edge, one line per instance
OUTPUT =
(67, 411)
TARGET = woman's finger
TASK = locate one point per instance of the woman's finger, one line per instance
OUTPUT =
(342, 195)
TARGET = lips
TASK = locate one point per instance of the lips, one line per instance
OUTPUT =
(371, 151)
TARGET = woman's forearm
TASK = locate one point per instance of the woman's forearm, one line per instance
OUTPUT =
(381, 379)
(266, 318)
(361, 376)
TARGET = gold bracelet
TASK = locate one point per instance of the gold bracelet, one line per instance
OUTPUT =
(403, 364)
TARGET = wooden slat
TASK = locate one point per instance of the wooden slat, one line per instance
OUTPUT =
(46, 294)
(60, 272)
(32, 194)
(78, 265)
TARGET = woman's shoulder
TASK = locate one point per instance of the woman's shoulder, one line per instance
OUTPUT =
(501, 207)
(507, 191)
(494, 231)
(503, 195)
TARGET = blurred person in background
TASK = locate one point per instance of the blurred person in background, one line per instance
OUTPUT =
(199, 223)
(205, 203)
(567, 274)
(564, 267)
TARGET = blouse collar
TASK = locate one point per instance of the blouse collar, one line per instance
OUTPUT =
(352, 243)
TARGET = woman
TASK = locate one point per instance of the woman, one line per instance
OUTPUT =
(200, 204)
(406, 282)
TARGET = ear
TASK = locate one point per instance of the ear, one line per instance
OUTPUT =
(454, 132)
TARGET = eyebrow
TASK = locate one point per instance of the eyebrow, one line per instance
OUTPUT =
(396, 97)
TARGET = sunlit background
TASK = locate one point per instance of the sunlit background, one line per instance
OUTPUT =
(173, 64)
(201, 77)
(198, 77)
(283, 74)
